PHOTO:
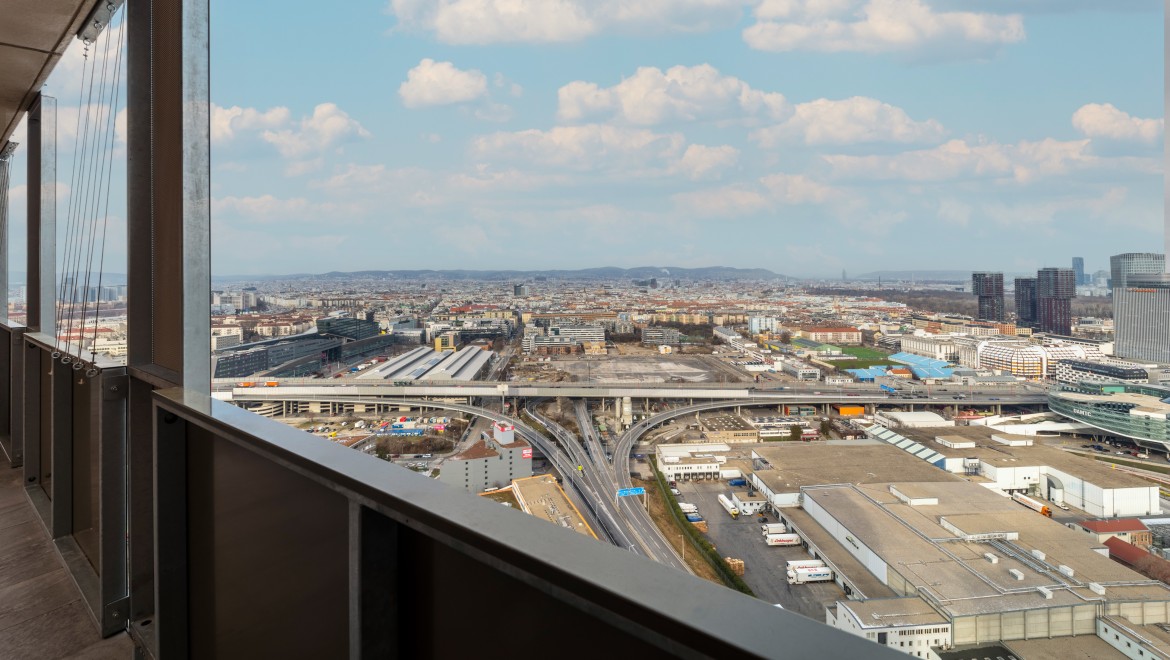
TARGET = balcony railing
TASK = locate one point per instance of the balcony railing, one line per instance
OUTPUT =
(271, 542)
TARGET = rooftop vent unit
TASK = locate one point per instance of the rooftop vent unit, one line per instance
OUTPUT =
(1016, 573)
(991, 557)
(1097, 589)
(1046, 592)
(1066, 570)
(1039, 554)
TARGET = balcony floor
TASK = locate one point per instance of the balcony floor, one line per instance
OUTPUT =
(42, 614)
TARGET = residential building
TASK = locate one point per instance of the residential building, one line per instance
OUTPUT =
(761, 324)
(661, 336)
(833, 335)
(1055, 289)
(1141, 312)
(1025, 301)
(1130, 530)
(579, 333)
(448, 341)
(989, 288)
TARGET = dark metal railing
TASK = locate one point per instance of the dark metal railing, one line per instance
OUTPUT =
(273, 541)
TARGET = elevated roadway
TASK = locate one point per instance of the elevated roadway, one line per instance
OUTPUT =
(320, 392)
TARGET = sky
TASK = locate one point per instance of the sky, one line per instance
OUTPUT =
(803, 136)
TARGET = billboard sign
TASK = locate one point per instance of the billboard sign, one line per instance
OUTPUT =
(526, 452)
(625, 492)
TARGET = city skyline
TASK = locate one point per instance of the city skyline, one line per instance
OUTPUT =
(693, 134)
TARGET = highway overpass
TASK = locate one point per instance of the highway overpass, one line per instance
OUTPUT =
(601, 391)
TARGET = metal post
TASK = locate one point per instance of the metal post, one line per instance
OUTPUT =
(42, 215)
(6, 152)
(168, 271)
(168, 193)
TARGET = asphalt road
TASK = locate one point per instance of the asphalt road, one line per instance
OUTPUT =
(765, 568)
(637, 520)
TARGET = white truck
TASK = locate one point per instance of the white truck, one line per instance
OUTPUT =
(805, 563)
(782, 539)
(773, 528)
(686, 507)
(806, 575)
(727, 504)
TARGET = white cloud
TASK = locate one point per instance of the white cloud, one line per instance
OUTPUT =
(581, 148)
(262, 206)
(613, 151)
(652, 96)
(544, 21)
(699, 160)
(225, 122)
(725, 202)
(877, 26)
(434, 83)
(328, 126)
(767, 193)
(959, 159)
(796, 189)
(849, 121)
(1096, 120)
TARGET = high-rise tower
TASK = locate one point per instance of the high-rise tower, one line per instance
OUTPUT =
(1141, 314)
(1078, 266)
(989, 288)
(1026, 301)
(1121, 266)
(1055, 289)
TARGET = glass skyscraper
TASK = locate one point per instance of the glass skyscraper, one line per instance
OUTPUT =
(1141, 315)
(1121, 266)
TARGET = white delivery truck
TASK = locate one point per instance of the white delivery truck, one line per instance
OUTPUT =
(806, 575)
(782, 539)
(773, 528)
(687, 507)
(805, 563)
(727, 504)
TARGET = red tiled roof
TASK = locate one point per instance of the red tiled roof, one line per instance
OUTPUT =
(478, 450)
(1124, 550)
(1114, 526)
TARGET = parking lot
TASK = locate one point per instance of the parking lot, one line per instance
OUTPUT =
(765, 566)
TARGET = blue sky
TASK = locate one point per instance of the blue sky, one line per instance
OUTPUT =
(803, 136)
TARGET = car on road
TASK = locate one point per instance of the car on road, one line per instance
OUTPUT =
(675, 491)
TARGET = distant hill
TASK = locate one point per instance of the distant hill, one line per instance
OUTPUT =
(916, 275)
(607, 273)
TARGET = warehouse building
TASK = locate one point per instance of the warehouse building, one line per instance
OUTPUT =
(692, 462)
(991, 569)
(1012, 463)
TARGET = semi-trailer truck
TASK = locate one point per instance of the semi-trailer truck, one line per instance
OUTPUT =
(805, 563)
(782, 539)
(729, 506)
(773, 528)
(806, 575)
(1032, 504)
(687, 507)
(694, 517)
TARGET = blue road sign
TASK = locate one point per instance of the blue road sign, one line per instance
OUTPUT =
(623, 492)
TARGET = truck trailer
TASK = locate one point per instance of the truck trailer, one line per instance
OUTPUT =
(1032, 504)
(687, 507)
(773, 528)
(805, 563)
(806, 575)
(782, 539)
(726, 503)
